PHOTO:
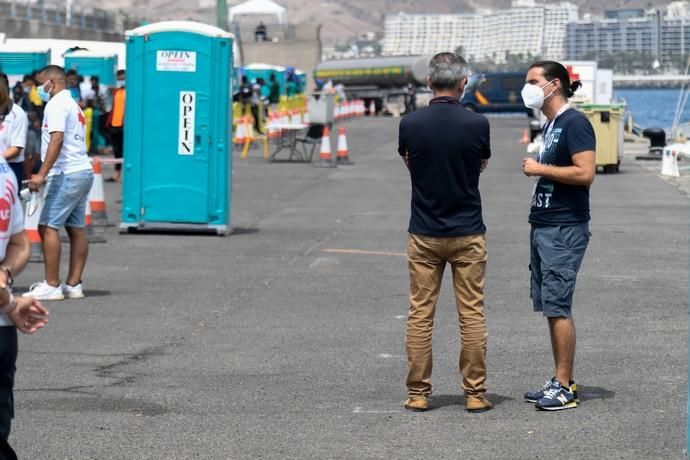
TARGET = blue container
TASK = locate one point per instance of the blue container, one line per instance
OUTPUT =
(18, 63)
(177, 152)
(254, 71)
(92, 64)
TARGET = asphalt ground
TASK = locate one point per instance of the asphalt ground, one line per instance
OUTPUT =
(285, 339)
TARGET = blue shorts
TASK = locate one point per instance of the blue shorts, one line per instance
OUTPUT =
(556, 254)
(65, 200)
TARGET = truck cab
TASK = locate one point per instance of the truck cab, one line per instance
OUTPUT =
(496, 92)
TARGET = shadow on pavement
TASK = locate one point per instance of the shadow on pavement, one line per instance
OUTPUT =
(586, 393)
(244, 231)
(436, 402)
(87, 292)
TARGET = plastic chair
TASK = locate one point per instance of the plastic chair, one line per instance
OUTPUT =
(310, 141)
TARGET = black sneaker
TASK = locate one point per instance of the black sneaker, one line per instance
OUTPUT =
(534, 396)
(557, 397)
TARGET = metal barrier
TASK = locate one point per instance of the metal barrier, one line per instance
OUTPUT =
(91, 19)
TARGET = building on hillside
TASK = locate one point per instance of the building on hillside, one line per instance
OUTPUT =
(663, 35)
(264, 35)
(556, 20)
(678, 9)
(413, 34)
(528, 28)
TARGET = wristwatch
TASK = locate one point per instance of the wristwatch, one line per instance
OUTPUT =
(10, 279)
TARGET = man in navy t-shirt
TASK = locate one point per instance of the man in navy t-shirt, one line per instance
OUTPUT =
(445, 148)
(564, 170)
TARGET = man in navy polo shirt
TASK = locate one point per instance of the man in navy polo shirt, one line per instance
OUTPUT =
(446, 147)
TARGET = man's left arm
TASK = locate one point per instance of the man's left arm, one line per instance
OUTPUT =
(581, 144)
(17, 254)
(486, 141)
(27, 314)
(580, 173)
(402, 148)
(18, 249)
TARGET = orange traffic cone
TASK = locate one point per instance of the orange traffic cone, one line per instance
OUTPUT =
(249, 127)
(272, 131)
(90, 235)
(325, 157)
(342, 153)
(525, 137)
(97, 196)
(240, 132)
(31, 228)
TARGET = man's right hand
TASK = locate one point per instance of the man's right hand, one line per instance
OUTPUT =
(36, 182)
(29, 315)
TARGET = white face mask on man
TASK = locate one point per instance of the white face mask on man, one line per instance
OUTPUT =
(533, 96)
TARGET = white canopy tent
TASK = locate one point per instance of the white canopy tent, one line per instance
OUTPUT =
(258, 8)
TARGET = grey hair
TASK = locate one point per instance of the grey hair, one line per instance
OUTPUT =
(446, 70)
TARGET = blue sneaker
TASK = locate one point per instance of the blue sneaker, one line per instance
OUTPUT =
(534, 396)
(557, 397)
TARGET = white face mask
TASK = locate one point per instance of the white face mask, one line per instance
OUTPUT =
(43, 93)
(533, 96)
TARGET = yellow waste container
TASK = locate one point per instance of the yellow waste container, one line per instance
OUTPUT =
(607, 120)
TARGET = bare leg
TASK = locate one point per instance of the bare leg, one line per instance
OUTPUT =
(79, 250)
(563, 343)
(51, 254)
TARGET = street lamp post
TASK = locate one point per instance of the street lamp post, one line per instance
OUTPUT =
(222, 14)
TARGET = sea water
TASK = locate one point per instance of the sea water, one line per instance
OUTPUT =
(652, 108)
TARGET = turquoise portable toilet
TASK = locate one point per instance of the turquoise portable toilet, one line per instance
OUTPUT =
(17, 62)
(177, 152)
(93, 64)
(301, 81)
(254, 71)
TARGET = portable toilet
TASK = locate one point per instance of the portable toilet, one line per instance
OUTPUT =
(254, 71)
(93, 64)
(17, 62)
(301, 81)
(177, 152)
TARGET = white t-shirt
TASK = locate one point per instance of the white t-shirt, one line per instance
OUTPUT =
(11, 216)
(13, 132)
(63, 114)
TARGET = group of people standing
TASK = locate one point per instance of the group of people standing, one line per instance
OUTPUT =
(256, 97)
(446, 148)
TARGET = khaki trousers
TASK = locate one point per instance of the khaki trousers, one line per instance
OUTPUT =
(427, 258)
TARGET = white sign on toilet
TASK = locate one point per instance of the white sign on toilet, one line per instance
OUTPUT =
(185, 144)
(175, 61)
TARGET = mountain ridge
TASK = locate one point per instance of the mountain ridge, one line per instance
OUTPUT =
(342, 19)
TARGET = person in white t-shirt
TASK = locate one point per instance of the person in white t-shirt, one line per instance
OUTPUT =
(22, 313)
(14, 126)
(67, 176)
